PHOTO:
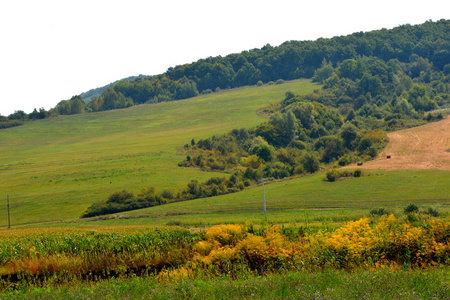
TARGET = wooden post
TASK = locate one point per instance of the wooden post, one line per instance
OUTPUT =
(9, 218)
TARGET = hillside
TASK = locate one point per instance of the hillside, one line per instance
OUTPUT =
(79, 154)
(423, 147)
(54, 168)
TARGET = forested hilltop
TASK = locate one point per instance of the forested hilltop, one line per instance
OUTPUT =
(417, 54)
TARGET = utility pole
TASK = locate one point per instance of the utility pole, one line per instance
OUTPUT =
(264, 195)
(9, 218)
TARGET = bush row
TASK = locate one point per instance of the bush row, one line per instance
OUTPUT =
(334, 174)
(125, 201)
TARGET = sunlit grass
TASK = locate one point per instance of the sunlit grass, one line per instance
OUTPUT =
(54, 169)
(304, 200)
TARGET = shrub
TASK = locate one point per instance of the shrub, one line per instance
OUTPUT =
(433, 212)
(357, 173)
(10, 124)
(310, 163)
(372, 152)
(344, 160)
(120, 197)
(225, 234)
(264, 152)
(379, 212)
(412, 208)
(364, 145)
(346, 173)
(288, 95)
(297, 144)
(174, 223)
(299, 170)
(168, 194)
(333, 175)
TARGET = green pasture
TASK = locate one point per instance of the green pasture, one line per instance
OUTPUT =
(306, 200)
(53, 169)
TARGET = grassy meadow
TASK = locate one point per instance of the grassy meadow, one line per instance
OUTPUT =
(307, 200)
(53, 169)
(314, 241)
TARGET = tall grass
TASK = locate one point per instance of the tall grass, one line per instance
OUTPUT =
(93, 253)
(41, 258)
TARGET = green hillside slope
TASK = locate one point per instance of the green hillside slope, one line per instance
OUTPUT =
(53, 169)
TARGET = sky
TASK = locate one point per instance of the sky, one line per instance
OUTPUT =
(51, 50)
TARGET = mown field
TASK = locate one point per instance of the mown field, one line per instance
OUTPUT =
(53, 169)
(422, 147)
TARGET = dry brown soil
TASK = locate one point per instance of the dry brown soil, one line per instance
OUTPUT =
(423, 147)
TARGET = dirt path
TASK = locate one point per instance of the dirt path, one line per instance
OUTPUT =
(423, 147)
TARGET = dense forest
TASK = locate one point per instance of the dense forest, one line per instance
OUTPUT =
(417, 54)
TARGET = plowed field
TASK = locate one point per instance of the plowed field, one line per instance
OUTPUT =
(423, 147)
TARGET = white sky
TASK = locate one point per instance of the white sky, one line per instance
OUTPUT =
(51, 50)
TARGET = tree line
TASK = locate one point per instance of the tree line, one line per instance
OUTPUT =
(421, 51)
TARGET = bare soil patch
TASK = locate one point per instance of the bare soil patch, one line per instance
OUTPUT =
(423, 147)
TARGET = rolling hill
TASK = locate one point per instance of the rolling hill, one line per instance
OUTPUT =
(53, 169)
